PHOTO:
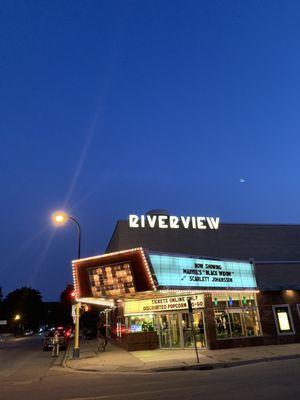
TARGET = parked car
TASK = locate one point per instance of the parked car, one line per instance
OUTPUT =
(48, 341)
(28, 332)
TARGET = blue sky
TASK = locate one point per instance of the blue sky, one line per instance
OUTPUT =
(109, 108)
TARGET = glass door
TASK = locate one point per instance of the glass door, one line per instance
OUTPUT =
(169, 331)
(199, 329)
(175, 331)
(187, 332)
(163, 329)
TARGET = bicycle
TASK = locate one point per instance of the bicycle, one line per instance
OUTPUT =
(55, 350)
(102, 342)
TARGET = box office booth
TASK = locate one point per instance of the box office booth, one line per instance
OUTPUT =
(242, 290)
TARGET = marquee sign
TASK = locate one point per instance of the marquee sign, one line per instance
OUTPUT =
(186, 272)
(111, 280)
(173, 303)
(172, 222)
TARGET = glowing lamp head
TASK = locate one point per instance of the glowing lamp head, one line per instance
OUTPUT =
(17, 317)
(59, 218)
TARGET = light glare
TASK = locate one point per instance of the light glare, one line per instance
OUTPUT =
(59, 218)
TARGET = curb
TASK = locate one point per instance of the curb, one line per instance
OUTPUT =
(219, 365)
(192, 367)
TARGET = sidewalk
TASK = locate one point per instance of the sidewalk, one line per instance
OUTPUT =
(115, 359)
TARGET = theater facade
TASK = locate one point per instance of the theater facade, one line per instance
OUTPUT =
(243, 281)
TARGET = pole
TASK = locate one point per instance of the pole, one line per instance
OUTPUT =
(106, 323)
(76, 338)
(76, 351)
(79, 236)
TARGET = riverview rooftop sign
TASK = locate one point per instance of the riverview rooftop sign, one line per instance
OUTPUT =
(172, 222)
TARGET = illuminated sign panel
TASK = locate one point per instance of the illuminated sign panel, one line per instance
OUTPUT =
(195, 273)
(172, 222)
(111, 280)
(283, 321)
(162, 304)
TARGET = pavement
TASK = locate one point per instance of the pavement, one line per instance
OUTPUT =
(115, 359)
(28, 372)
(23, 359)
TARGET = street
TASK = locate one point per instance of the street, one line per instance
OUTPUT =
(26, 372)
(23, 359)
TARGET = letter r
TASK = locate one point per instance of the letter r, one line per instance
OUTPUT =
(133, 221)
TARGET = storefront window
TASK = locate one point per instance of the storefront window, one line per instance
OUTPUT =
(140, 323)
(236, 321)
(236, 315)
(222, 324)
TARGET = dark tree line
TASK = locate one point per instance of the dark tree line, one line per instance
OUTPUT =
(23, 309)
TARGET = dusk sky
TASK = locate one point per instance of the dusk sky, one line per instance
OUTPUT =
(115, 107)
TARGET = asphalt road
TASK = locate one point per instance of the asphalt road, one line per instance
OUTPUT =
(26, 372)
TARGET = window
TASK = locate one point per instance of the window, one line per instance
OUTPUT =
(222, 324)
(283, 319)
(236, 315)
(140, 323)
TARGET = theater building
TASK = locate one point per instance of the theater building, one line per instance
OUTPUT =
(243, 281)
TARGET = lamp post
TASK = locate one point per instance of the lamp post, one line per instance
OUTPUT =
(60, 218)
(17, 324)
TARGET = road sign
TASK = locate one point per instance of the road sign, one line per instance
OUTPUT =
(73, 311)
(3, 322)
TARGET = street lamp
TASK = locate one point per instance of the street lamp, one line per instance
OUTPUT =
(60, 218)
(17, 317)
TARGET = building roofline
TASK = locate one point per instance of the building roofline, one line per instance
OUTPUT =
(277, 262)
(112, 235)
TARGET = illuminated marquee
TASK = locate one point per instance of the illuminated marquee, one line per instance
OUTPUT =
(172, 222)
(186, 272)
(162, 304)
(111, 280)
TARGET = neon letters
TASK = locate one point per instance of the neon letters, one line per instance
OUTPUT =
(173, 222)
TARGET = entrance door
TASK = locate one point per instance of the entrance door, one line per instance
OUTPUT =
(169, 331)
(199, 330)
(199, 327)
(163, 329)
(175, 330)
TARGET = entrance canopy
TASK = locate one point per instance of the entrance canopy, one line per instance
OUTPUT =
(137, 273)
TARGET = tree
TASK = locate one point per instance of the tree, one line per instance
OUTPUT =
(66, 301)
(26, 303)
